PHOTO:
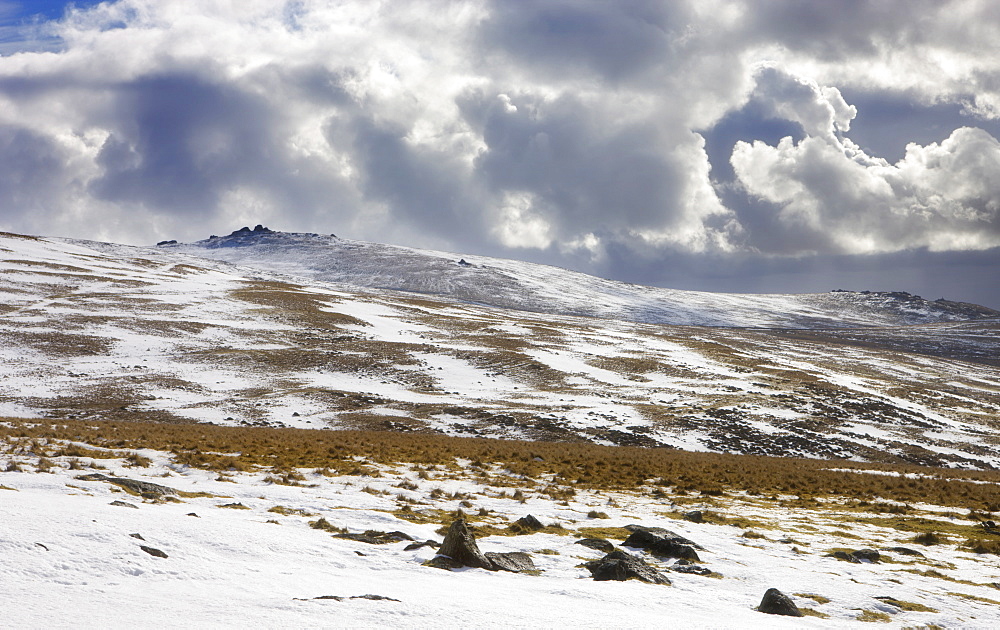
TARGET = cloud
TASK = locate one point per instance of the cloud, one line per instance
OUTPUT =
(629, 139)
(829, 196)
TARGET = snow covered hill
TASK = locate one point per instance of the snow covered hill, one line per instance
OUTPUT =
(94, 330)
(543, 289)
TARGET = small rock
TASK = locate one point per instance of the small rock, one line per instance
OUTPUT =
(37, 544)
(443, 562)
(695, 516)
(843, 555)
(599, 544)
(124, 504)
(417, 545)
(153, 551)
(620, 565)
(867, 555)
(777, 603)
(373, 537)
(529, 522)
(513, 561)
(378, 598)
(193, 514)
(683, 566)
(138, 536)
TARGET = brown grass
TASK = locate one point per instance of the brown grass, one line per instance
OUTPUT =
(579, 465)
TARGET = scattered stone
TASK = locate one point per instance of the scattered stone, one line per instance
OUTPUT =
(843, 555)
(683, 566)
(620, 565)
(417, 545)
(599, 544)
(42, 546)
(374, 537)
(360, 554)
(460, 545)
(137, 536)
(193, 514)
(662, 542)
(153, 551)
(695, 516)
(777, 603)
(513, 561)
(443, 562)
(142, 488)
(867, 555)
(340, 598)
(529, 522)
(124, 504)
(379, 598)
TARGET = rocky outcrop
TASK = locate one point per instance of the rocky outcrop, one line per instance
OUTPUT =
(777, 603)
(142, 488)
(460, 546)
(620, 565)
(662, 542)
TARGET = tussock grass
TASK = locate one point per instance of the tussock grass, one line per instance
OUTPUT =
(579, 465)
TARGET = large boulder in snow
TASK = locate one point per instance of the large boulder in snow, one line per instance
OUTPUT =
(777, 603)
(460, 545)
(620, 565)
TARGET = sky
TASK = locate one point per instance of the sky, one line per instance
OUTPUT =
(757, 146)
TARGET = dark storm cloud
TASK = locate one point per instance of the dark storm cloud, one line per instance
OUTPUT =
(615, 40)
(426, 189)
(181, 142)
(32, 169)
(577, 163)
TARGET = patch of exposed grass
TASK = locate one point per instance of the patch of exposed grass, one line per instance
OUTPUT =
(811, 612)
(611, 533)
(873, 616)
(904, 605)
(325, 525)
(975, 598)
(287, 511)
(819, 599)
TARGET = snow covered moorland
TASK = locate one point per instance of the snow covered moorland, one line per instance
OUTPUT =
(122, 364)
(123, 537)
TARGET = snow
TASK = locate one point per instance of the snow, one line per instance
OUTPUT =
(70, 560)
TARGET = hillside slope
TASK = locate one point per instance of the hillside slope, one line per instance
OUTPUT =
(116, 332)
(544, 289)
